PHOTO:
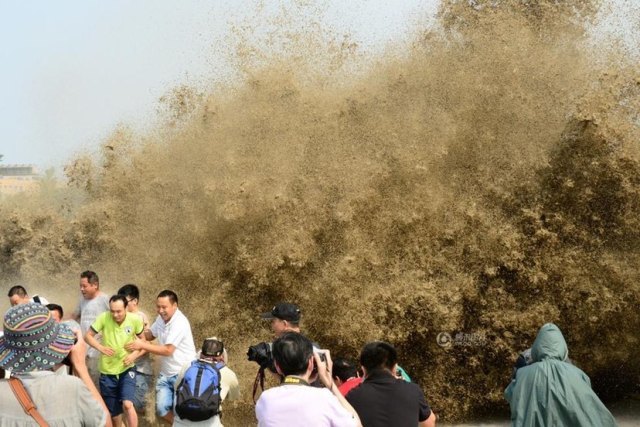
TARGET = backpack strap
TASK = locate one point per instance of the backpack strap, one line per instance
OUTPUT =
(25, 400)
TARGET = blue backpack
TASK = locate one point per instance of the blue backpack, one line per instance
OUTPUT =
(198, 394)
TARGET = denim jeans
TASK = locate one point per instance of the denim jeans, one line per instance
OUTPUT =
(165, 394)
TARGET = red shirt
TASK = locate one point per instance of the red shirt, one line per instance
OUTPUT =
(349, 384)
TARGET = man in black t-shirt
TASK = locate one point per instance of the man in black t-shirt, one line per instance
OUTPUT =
(384, 400)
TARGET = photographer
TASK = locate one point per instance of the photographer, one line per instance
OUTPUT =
(295, 403)
(284, 317)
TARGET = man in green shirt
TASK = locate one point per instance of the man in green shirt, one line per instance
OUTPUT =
(117, 370)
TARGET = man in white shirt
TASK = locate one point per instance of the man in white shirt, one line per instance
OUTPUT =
(175, 344)
(295, 403)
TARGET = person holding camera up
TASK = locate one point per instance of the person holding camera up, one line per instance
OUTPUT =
(294, 402)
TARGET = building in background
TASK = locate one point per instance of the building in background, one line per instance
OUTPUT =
(18, 178)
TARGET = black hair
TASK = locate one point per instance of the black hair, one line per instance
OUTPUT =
(173, 298)
(344, 369)
(17, 290)
(55, 307)
(130, 290)
(378, 355)
(119, 297)
(292, 352)
(91, 277)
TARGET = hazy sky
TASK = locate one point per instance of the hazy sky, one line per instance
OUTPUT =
(72, 70)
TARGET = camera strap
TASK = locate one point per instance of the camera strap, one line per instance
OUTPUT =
(258, 381)
(291, 380)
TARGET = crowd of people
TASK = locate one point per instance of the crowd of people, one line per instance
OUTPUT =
(94, 369)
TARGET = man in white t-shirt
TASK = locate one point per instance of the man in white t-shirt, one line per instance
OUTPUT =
(295, 403)
(175, 344)
(92, 303)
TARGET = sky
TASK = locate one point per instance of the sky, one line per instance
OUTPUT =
(73, 70)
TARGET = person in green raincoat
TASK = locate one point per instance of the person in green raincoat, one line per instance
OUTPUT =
(552, 392)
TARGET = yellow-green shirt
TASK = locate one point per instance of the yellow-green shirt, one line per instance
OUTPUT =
(116, 336)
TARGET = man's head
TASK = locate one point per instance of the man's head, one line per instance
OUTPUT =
(89, 284)
(284, 317)
(166, 304)
(213, 349)
(18, 295)
(33, 340)
(378, 355)
(118, 308)
(343, 369)
(132, 293)
(293, 354)
(56, 312)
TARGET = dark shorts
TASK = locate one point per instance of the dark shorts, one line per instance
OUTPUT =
(117, 388)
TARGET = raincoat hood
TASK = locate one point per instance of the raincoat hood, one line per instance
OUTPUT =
(551, 391)
(549, 344)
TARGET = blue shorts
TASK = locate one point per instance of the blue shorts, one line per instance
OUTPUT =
(165, 387)
(117, 388)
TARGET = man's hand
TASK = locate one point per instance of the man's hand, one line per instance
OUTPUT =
(130, 359)
(324, 367)
(134, 345)
(107, 351)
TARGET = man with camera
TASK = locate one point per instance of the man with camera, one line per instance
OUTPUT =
(284, 317)
(294, 402)
(383, 399)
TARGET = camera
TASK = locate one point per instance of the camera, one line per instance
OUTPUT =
(261, 354)
(321, 353)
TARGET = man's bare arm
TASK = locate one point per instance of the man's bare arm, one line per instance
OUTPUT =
(89, 337)
(429, 422)
(160, 350)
